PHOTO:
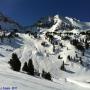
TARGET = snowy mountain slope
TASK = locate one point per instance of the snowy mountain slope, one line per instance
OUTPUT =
(64, 23)
(78, 23)
(21, 81)
(49, 46)
(7, 23)
(9, 45)
(44, 58)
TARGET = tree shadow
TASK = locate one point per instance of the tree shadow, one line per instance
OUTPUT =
(68, 71)
(2, 55)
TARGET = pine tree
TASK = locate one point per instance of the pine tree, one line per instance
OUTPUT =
(30, 67)
(87, 45)
(2, 39)
(59, 57)
(43, 74)
(48, 76)
(68, 57)
(25, 67)
(0, 27)
(76, 56)
(81, 62)
(63, 67)
(82, 53)
(15, 62)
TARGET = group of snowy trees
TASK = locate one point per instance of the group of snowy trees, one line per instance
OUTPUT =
(16, 65)
(27, 67)
(77, 44)
(85, 33)
(8, 36)
(50, 37)
(46, 75)
(81, 44)
(86, 44)
(75, 59)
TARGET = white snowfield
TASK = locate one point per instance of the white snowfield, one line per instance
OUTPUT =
(76, 77)
(32, 48)
(20, 81)
(82, 84)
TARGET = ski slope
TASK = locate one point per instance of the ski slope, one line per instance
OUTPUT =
(20, 81)
(29, 49)
(76, 76)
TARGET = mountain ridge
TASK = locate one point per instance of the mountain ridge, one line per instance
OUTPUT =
(44, 22)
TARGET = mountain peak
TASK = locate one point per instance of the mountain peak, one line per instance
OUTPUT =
(8, 23)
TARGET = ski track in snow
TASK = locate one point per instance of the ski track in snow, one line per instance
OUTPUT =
(81, 84)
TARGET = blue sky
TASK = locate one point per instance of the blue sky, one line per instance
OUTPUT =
(27, 12)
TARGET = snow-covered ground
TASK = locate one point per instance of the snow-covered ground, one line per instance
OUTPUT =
(76, 76)
(31, 48)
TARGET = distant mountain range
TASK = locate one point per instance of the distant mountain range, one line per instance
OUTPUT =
(65, 23)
